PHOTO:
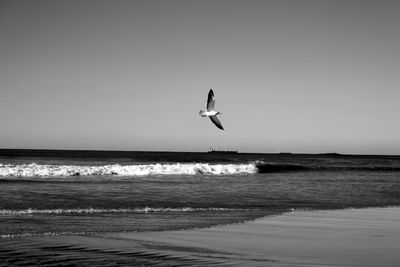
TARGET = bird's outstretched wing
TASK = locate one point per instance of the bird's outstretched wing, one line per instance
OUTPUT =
(210, 101)
(217, 123)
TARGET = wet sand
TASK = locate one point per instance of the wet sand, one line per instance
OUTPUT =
(353, 237)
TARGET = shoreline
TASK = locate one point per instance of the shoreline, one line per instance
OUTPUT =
(349, 237)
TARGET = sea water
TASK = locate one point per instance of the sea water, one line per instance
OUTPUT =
(89, 192)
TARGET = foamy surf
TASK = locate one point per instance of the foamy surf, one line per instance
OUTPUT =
(23, 235)
(38, 170)
(102, 211)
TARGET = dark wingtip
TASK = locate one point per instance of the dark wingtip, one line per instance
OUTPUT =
(210, 95)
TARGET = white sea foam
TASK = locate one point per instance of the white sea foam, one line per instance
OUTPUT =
(38, 170)
(94, 211)
(40, 234)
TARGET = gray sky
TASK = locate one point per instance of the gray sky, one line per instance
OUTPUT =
(300, 76)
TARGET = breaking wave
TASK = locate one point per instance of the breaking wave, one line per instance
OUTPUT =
(103, 211)
(38, 170)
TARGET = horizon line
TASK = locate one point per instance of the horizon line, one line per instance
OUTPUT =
(177, 151)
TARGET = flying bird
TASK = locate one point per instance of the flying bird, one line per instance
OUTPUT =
(211, 113)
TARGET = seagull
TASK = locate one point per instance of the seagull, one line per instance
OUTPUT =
(211, 113)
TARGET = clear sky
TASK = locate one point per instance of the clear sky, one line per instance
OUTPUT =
(299, 76)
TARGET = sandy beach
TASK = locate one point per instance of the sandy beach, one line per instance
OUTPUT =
(351, 237)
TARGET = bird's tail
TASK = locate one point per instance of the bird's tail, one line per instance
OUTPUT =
(201, 113)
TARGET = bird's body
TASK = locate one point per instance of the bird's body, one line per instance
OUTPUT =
(211, 113)
(207, 113)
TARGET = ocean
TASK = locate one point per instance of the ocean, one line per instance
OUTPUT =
(59, 192)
